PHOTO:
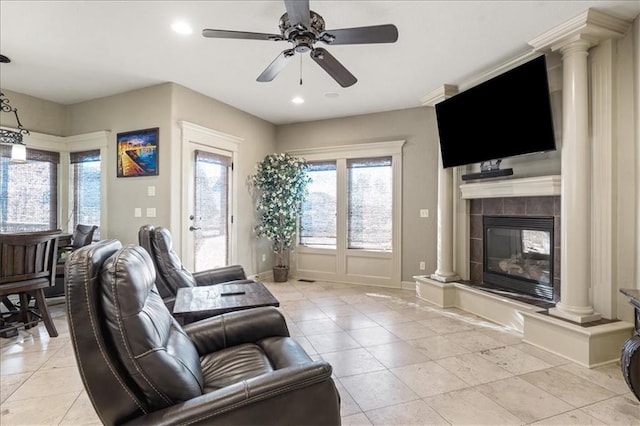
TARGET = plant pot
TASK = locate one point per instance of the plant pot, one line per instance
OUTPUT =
(280, 274)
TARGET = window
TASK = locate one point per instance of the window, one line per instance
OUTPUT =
(211, 210)
(318, 221)
(370, 203)
(86, 189)
(350, 228)
(28, 191)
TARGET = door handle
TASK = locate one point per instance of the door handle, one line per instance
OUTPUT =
(193, 228)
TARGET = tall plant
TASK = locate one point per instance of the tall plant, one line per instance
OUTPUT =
(281, 182)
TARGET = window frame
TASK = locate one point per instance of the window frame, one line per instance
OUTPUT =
(52, 158)
(336, 263)
(80, 143)
(299, 236)
(73, 213)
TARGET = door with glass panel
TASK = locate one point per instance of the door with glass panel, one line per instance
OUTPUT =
(208, 234)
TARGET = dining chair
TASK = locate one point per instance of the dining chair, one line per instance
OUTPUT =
(27, 267)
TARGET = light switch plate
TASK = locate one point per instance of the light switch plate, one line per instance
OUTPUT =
(151, 212)
(137, 212)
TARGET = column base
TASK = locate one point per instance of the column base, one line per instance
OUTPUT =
(444, 278)
(574, 317)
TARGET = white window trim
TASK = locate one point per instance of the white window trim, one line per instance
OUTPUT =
(341, 154)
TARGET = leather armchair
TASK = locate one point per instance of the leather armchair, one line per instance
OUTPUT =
(139, 366)
(171, 273)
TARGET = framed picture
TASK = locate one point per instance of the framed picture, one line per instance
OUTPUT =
(138, 153)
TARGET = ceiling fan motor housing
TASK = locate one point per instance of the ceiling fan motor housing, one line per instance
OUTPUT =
(301, 37)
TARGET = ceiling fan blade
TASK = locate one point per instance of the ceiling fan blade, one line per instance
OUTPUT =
(276, 66)
(334, 68)
(361, 35)
(298, 11)
(240, 35)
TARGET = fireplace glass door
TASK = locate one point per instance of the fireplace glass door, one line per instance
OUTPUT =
(518, 254)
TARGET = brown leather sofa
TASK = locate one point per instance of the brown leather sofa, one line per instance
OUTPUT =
(139, 366)
(171, 273)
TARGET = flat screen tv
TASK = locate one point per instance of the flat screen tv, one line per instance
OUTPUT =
(502, 117)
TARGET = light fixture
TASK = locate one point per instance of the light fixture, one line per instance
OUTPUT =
(182, 28)
(12, 137)
(297, 100)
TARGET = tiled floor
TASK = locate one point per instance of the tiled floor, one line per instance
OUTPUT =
(397, 361)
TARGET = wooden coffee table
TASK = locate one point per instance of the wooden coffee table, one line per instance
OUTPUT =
(194, 303)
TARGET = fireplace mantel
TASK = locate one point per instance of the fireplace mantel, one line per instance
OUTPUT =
(522, 187)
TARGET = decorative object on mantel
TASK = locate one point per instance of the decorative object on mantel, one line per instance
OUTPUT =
(12, 137)
(138, 153)
(281, 182)
(630, 358)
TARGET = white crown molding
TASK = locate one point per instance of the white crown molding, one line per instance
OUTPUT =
(590, 25)
(438, 95)
(523, 187)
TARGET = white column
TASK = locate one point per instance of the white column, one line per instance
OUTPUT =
(445, 244)
(573, 39)
(575, 303)
(444, 270)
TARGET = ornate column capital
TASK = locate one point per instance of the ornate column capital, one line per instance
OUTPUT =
(590, 27)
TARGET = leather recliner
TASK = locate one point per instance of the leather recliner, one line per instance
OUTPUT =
(171, 273)
(139, 366)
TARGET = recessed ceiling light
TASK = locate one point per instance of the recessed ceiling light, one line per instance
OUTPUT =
(297, 100)
(331, 95)
(182, 28)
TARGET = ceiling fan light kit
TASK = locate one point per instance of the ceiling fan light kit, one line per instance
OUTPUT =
(303, 27)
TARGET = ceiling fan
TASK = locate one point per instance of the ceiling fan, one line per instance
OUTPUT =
(303, 27)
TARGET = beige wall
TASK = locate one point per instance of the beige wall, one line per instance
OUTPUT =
(419, 168)
(164, 106)
(160, 106)
(135, 110)
(35, 114)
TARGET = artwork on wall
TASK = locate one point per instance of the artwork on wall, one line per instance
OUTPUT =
(138, 153)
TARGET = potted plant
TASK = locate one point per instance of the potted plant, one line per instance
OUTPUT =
(281, 183)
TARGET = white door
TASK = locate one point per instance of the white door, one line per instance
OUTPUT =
(209, 207)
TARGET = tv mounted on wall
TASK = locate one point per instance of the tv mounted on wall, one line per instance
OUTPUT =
(502, 117)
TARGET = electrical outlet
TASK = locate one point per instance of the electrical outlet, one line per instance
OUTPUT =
(151, 191)
(151, 212)
(424, 212)
(264, 257)
(423, 266)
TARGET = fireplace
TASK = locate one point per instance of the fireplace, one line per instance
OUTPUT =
(519, 254)
(522, 208)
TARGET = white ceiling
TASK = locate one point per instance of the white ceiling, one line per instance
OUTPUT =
(69, 52)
